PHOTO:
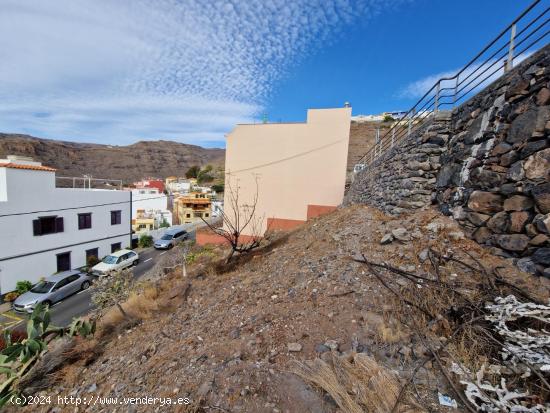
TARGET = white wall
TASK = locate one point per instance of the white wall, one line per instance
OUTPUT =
(32, 194)
(149, 200)
(179, 186)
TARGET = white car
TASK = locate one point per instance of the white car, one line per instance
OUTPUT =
(115, 262)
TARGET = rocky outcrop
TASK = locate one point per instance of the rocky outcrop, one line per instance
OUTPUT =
(486, 163)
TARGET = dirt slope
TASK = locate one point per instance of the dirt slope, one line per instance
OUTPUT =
(234, 340)
(129, 163)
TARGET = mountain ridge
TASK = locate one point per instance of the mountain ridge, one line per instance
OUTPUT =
(160, 158)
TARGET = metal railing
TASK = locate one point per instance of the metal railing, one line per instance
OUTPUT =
(87, 182)
(516, 42)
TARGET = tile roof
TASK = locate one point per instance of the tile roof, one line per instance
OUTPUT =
(23, 166)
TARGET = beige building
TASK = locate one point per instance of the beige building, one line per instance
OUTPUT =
(300, 167)
(192, 208)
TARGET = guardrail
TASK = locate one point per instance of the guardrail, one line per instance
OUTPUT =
(516, 42)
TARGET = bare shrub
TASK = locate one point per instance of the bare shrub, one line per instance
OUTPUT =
(238, 217)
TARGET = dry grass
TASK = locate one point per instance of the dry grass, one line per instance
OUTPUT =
(357, 383)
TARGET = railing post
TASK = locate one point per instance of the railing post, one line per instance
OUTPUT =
(378, 141)
(437, 96)
(456, 91)
(510, 61)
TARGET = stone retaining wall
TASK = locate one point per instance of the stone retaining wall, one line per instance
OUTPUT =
(487, 163)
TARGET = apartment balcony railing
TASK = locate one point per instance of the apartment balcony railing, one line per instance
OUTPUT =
(87, 182)
(526, 34)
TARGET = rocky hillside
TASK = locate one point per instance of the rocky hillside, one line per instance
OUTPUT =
(302, 325)
(129, 163)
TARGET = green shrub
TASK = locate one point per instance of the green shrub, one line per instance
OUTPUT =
(218, 187)
(9, 297)
(23, 286)
(145, 241)
(193, 171)
(91, 261)
(164, 224)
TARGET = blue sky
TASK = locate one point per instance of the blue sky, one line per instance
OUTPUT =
(116, 72)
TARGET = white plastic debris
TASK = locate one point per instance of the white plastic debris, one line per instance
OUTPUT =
(445, 400)
(522, 350)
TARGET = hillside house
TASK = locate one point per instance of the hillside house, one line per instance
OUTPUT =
(192, 207)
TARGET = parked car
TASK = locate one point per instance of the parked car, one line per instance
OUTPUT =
(115, 262)
(52, 290)
(171, 238)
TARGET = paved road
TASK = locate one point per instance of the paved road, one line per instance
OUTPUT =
(62, 313)
(80, 304)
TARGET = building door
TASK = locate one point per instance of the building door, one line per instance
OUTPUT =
(64, 262)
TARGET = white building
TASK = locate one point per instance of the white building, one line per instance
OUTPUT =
(148, 200)
(217, 208)
(163, 216)
(45, 229)
(183, 186)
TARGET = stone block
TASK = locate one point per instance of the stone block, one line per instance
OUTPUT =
(537, 166)
(485, 202)
(477, 219)
(542, 256)
(518, 203)
(509, 158)
(499, 223)
(541, 195)
(512, 242)
(539, 240)
(516, 172)
(532, 147)
(518, 220)
(482, 235)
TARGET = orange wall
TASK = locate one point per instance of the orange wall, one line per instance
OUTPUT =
(314, 211)
(206, 236)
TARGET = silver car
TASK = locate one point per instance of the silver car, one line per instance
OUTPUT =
(52, 289)
(170, 238)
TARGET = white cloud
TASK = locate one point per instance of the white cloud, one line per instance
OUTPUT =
(119, 71)
(472, 79)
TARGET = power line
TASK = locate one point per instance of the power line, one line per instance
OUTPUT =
(79, 207)
(298, 155)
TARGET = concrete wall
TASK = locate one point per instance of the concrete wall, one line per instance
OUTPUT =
(32, 194)
(487, 163)
(296, 165)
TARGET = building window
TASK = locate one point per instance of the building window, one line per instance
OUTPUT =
(64, 262)
(187, 215)
(84, 221)
(94, 252)
(116, 217)
(206, 214)
(47, 225)
(115, 247)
